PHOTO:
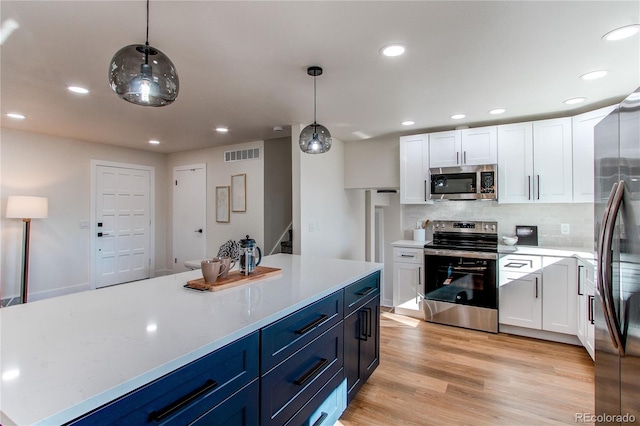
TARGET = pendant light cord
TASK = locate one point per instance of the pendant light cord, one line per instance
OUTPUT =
(314, 102)
(147, 39)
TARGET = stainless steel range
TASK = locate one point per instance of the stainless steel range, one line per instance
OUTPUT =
(460, 275)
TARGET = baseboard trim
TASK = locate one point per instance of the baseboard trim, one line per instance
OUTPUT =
(540, 334)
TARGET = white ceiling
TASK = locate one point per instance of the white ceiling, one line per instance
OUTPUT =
(243, 65)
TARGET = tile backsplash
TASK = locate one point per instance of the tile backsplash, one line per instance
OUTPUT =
(547, 217)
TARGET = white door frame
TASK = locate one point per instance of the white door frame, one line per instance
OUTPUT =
(93, 228)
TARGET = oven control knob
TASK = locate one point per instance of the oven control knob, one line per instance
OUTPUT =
(493, 227)
(486, 227)
(437, 225)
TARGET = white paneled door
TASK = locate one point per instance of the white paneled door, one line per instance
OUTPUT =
(122, 225)
(189, 214)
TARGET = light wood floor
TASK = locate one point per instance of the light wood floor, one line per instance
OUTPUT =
(432, 374)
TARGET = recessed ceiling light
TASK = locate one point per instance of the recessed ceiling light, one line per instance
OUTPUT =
(573, 101)
(392, 50)
(458, 116)
(154, 142)
(497, 111)
(408, 123)
(16, 115)
(222, 129)
(78, 89)
(593, 75)
(622, 32)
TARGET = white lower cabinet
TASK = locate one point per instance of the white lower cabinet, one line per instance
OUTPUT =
(586, 294)
(408, 273)
(538, 292)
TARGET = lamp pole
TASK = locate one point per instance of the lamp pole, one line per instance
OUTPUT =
(25, 260)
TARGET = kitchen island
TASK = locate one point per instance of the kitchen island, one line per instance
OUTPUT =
(66, 356)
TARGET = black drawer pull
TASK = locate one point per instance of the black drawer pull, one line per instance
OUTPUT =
(312, 373)
(157, 416)
(321, 419)
(307, 328)
(365, 291)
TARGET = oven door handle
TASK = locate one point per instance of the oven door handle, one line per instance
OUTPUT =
(460, 253)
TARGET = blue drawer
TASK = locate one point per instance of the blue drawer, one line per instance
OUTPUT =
(360, 292)
(286, 389)
(185, 394)
(240, 409)
(286, 336)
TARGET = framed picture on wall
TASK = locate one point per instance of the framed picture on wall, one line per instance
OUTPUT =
(222, 204)
(239, 193)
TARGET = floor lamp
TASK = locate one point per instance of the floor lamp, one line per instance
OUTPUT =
(26, 208)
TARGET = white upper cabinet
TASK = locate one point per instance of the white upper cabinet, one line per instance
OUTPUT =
(480, 146)
(444, 148)
(552, 161)
(414, 169)
(467, 147)
(583, 179)
(535, 162)
(515, 163)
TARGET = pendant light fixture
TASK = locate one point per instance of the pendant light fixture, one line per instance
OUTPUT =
(143, 75)
(315, 138)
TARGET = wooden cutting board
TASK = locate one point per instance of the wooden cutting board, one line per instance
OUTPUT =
(234, 278)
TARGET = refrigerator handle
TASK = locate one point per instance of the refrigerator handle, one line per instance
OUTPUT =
(605, 271)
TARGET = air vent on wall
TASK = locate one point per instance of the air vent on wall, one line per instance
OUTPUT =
(241, 155)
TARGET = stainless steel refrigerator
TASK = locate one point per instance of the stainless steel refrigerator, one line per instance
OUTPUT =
(617, 302)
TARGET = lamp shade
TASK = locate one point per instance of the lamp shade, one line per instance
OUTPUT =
(315, 139)
(23, 207)
(143, 75)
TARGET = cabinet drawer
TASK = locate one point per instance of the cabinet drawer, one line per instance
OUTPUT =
(408, 255)
(520, 263)
(185, 394)
(286, 389)
(360, 292)
(284, 337)
(240, 409)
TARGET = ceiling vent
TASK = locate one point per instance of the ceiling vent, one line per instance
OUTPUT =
(241, 155)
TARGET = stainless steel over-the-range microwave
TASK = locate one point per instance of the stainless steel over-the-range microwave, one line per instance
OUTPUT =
(464, 182)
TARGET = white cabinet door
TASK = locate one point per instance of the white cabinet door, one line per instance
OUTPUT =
(408, 274)
(480, 146)
(520, 299)
(414, 169)
(552, 161)
(583, 125)
(445, 149)
(515, 163)
(586, 293)
(560, 295)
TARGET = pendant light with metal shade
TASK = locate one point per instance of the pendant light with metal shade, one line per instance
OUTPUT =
(315, 138)
(143, 75)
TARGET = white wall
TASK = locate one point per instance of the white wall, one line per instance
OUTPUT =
(219, 174)
(328, 221)
(372, 163)
(59, 169)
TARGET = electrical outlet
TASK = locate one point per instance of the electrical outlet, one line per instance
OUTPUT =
(564, 229)
(313, 226)
(84, 224)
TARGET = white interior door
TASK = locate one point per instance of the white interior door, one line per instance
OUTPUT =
(189, 214)
(123, 225)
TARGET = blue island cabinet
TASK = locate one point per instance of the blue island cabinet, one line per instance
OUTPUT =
(221, 385)
(294, 371)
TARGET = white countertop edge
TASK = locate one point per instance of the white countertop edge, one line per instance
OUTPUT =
(547, 251)
(409, 243)
(109, 395)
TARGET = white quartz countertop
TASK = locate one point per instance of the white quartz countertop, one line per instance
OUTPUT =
(409, 243)
(65, 356)
(547, 251)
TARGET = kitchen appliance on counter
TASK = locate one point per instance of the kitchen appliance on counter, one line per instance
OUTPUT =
(248, 261)
(460, 275)
(617, 307)
(464, 183)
